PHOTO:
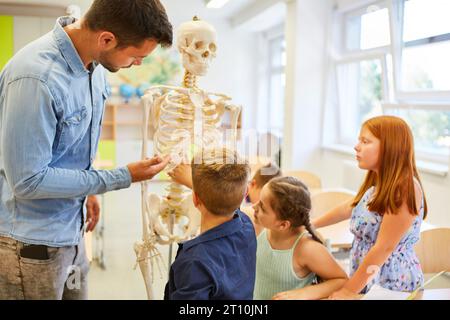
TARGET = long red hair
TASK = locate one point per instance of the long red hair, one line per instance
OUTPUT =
(394, 183)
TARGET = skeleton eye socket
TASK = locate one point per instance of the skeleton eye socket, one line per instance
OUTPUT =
(199, 45)
(212, 47)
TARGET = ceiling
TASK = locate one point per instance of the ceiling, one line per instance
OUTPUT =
(230, 9)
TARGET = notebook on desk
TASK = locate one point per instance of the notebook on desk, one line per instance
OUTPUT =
(379, 293)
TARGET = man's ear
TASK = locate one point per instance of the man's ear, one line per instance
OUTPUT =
(107, 40)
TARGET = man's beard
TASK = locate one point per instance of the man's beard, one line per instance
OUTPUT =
(109, 67)
(104, 60)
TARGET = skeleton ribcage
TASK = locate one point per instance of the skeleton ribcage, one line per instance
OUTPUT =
(179, 125)
(176, 124)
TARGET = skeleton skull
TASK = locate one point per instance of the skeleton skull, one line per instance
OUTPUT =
(197, 45)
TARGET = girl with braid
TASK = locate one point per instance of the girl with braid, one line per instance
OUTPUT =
(290, 257)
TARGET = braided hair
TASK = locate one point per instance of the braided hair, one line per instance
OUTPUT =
(291, 201)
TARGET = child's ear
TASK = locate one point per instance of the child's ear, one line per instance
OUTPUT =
(195, 199)
(284, 225)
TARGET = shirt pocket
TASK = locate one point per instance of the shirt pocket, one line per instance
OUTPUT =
(73, 128)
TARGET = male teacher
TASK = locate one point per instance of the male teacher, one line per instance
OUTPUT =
(52, 96)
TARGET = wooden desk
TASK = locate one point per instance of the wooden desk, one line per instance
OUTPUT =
(339, 235)
(341, 238)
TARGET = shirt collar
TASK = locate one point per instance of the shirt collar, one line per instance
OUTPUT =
(66, 46)
(223, 230)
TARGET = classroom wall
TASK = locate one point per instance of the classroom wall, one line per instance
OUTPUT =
(307, 28)
(27, 29)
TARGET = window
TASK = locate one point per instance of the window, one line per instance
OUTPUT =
(369, 29)
(359, 93)
(426, 41)
(392, 57)
(277, 85)
(431, 127)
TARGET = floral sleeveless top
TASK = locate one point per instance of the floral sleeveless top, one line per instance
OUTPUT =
(401, 271)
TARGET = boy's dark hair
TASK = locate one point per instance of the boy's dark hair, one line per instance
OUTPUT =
(131, 21)
(266, 173)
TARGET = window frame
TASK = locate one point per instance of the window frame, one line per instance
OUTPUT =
(274, 34)
(384, 80)
(396, 26)
(394, 96)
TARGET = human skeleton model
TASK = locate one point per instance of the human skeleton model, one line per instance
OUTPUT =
(181, 117)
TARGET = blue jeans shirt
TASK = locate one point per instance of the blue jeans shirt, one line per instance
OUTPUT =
(219, 264)
(51, 109)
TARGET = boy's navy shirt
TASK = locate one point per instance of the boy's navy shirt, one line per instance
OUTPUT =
(219, 264)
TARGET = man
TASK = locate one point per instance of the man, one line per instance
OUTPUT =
(52, 96)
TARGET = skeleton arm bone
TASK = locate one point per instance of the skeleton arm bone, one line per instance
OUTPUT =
(224, 104)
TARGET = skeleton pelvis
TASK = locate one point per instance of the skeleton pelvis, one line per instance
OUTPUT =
(173, 219)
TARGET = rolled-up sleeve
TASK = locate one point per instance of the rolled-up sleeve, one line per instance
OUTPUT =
(28, 134)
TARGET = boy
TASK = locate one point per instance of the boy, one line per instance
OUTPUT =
(220, 263)
(261, 177)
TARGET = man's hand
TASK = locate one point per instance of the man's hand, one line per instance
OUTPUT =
(182, 174)
(147, 169)
(93, 213)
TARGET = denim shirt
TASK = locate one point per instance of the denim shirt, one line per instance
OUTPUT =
(219, 264)
(51, 109)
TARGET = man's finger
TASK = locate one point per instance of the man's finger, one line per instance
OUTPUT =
(160, 166)
(93, 224)
(156, 160)
(153, 161)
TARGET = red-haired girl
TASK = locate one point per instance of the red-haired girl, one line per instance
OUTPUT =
(387, 212)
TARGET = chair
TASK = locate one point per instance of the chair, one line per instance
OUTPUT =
(325, 200)
(311, 180)
(337, 236)
(433, 250)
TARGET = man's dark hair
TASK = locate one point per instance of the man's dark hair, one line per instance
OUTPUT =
(131, 21)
